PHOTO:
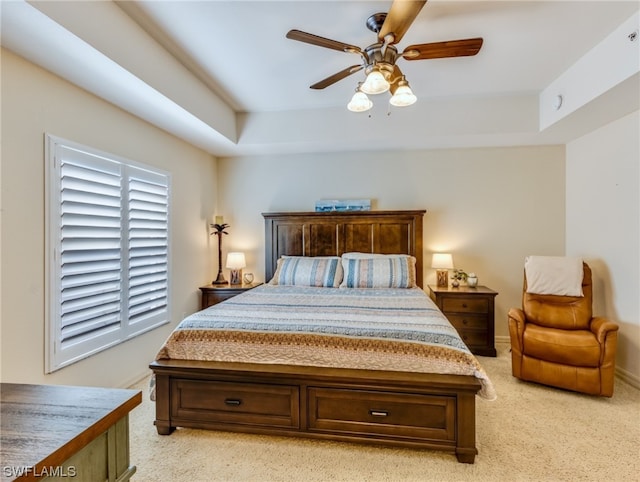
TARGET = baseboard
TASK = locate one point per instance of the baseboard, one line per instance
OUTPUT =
(622, 374)
(628, 377)
(135, 379)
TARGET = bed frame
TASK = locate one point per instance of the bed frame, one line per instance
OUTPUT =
(418, 410)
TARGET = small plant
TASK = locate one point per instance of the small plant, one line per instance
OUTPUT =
(459, 275)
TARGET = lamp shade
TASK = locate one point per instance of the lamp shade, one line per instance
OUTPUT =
(236, 261)
(442, 261)
(359, 103)
(375, 83)
(403, 96)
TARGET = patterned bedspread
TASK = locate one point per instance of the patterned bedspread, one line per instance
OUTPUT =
(377, 329)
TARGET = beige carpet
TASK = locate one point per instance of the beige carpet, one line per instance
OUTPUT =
(530, 433)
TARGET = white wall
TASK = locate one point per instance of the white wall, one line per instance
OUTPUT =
(603, 226)
(490, 207)
(34, 102)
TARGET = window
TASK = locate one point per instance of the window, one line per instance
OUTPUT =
(107, 249)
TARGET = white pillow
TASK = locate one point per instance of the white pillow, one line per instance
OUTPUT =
(554, 275)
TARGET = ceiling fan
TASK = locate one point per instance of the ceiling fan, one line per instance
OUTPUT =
(379, 59)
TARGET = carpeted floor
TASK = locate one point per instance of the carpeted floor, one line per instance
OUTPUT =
(530, 433)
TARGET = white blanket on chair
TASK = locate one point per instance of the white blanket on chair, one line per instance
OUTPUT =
(554, 275)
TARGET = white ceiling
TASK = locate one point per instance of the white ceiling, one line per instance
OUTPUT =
(233, 83)
(241, 46)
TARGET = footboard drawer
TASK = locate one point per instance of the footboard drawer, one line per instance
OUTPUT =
(372, 413)
(235, 403)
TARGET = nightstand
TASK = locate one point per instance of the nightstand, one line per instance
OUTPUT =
(214, 294)
(471, 312)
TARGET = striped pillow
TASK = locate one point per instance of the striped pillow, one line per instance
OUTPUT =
(321, 271)
(379, 271)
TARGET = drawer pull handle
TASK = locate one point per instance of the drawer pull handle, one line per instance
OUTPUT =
(464, 305)
(464, 322)
(233, 401)
(378, 413)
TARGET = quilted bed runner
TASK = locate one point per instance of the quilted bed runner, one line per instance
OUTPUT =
(373, 329)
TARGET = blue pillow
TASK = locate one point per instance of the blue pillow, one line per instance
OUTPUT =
(320, 271)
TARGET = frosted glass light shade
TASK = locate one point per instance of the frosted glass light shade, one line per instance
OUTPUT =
(359, 103)
(403, 97)
(375, 83)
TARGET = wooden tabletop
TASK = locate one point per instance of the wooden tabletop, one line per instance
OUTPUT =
(43, 425)
(463, 289)
(228, 286)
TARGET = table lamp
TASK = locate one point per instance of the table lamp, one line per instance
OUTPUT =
(235, 262)
(442, 262)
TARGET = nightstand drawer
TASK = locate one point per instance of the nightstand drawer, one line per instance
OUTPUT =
(212, 298)
(468, 322)
(395, 415)
(471, 312)
(214, 294)
(474, 339)
(235, 403)
(465, 305)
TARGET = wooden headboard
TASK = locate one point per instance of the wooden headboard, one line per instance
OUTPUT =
(334, 233)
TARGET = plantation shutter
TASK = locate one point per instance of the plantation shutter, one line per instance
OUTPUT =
(109, 234)
(90, 252)
(148, 253)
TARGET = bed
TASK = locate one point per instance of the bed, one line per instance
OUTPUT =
(334, 361)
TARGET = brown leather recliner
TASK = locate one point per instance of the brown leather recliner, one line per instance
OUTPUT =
(556, 341)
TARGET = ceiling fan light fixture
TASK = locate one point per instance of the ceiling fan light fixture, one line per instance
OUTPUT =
(403, 96)
(375, 83)
(359, 102)
(379, 59)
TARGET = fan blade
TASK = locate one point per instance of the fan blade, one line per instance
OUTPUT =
(336, 77)
(321, 41)
(440, 50)
(400, 17)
